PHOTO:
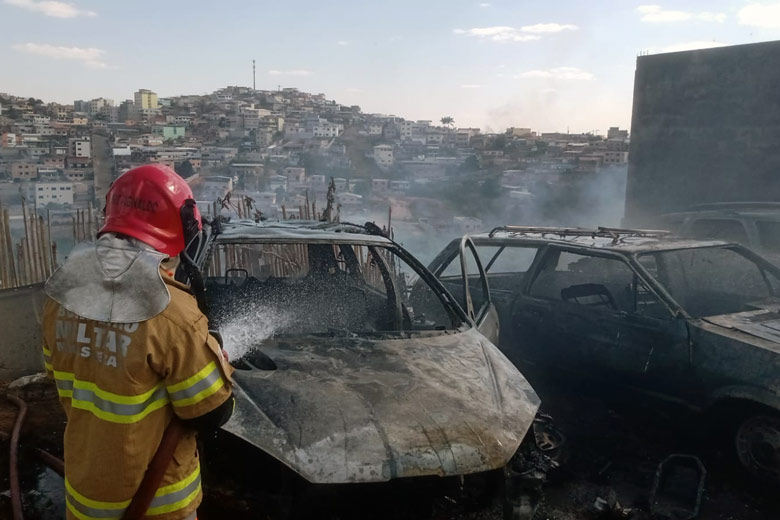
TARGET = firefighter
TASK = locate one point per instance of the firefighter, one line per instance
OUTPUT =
(130, 351)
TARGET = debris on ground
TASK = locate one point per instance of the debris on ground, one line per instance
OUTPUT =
(678, 488)
(610, 509)
(612, 444)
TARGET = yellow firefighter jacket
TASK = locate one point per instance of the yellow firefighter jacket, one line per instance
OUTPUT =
(120, 385)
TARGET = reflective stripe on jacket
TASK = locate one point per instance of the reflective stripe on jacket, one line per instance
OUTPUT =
(120, 385)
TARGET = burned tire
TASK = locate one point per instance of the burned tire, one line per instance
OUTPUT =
(757, 444)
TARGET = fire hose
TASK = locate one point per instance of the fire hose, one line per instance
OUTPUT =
(155, 472)
(47, 458)
(147, 489)
(13, 473)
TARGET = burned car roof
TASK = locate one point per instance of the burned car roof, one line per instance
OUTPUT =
(608, 239)
(297, 231)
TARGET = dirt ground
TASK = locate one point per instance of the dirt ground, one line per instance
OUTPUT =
(615, 442)
(616, 439)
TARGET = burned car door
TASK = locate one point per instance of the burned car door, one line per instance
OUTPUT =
(506, 265)
(605, 321)
(653, 348)
(461, 272)
(577, 302)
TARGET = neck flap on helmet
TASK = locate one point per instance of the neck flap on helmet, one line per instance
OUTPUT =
(114, 280)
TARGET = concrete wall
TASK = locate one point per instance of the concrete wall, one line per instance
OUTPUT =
(20, 331)
(104, 166)
(705, 128)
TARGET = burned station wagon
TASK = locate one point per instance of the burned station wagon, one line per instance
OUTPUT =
(693, 322)
(355, 364)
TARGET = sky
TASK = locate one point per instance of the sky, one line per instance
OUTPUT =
(551, 66)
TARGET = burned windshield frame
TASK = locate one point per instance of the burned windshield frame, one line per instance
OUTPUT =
(334, 260)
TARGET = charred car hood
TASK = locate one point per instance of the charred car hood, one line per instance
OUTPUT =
(762, 323)
(339, 410)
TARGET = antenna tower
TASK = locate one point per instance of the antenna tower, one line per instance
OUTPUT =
(254, 76)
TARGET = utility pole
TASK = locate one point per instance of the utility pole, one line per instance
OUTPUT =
(254, 76)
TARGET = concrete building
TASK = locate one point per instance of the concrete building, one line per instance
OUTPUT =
(145, 114)
(615, 157)
(379, 186)
(81, 106)
(23, 170)
(171, 132)
(79, 147)
(99, 106)
(326, 129)
(126, 110)
(54, 161)
(76, 175)
(383, 156)
(704, 129)
(8, 140)
(519, 132)
(241, 169)
(77, 162)
(406, 128)
(145, 99)
(252, 116)
(616, 133)
(463, 136)
(179, 119)
(53, 192)
(399, 187)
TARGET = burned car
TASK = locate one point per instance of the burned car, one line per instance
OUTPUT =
(693, 322)
(345, 374)
(752, 224)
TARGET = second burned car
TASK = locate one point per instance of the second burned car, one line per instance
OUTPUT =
(693, 322)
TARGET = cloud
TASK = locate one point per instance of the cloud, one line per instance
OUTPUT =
(540, 28)
(563, 73)
(499, 34)
(688, 46)
(484, 4)
(471, 85)
(526, 33)
(51, 8)
(760, 15)
(343, 43)
(291, 72)
(657, 14)
(90, 56)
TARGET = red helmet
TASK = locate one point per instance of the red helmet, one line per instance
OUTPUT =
(146, 203)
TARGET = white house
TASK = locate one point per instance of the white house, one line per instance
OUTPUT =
(383, 156)
(56, 192)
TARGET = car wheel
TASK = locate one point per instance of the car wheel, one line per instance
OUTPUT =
(757, 442)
